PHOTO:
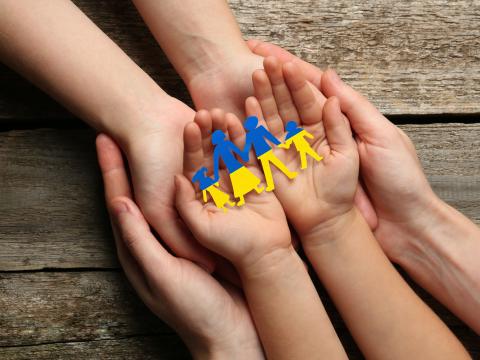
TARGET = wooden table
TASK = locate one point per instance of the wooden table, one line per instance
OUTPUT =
(62, 292)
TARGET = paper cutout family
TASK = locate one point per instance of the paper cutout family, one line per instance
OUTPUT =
(242, 179)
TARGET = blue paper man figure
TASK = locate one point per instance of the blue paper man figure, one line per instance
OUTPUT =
(297, 135)
(243, 180)
(257, 137)
(209, 186)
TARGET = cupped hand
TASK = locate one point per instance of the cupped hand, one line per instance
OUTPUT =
(324, 188)
(242, 234)
(389, 165)
(211, 316)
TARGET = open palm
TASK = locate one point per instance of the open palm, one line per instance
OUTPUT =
(326, 188)
(237, 233)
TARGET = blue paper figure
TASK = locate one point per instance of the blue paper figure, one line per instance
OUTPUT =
(243, 180)
(296, 136)
(257, 137)
(209, 186)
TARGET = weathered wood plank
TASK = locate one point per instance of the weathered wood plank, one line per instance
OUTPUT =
(48, 307)
(51, 197)
(138, 348)
(51, 202)
(412, 57)
(87, 308)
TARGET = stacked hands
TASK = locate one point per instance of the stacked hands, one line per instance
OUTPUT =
(231, 283)
(324, 203)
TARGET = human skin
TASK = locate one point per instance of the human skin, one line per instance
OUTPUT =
(365, 287)
(289, 316)
(434, 243)
(211, 316)
(60, 50)
(204, 43)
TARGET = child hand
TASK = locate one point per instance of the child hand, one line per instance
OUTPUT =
(244, 234)
(324, 190)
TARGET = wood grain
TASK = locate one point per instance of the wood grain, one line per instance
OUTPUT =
(51, 199)
(137, 348)
(415, 57)
(86, 311)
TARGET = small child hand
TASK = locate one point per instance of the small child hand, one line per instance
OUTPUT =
(324, 190)
(241, 234)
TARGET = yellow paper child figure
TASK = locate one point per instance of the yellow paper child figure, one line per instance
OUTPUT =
(257, 138)
(296, 136)
(209, 187)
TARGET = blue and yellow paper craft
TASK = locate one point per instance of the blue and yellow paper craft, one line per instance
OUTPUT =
(296, 136)
(208, 186)
(242, 179)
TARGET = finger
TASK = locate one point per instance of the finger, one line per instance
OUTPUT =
(283, 99)
(193, 154)
(364, 205)
(338, 133)
(137, 237)
(237, 135)
(365, 119)
(132, 270)
(235, 130)
(112, 166)
(190, 209)
(312, 73)
(218, 120)
(264, 94)
(253, 108)
(308, 104)
(204, 122)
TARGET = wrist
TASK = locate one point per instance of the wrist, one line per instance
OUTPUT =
(233, 349)
(330, 231)
(434, 235)
(272, 265)
(161, 114)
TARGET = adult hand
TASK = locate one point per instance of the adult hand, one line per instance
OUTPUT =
(400, 198)
(210, 316)
(155, 154)
(434, 243)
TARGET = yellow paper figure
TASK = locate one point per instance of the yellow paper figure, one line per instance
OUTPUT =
(209, 187)
(258, 137)
(296, 136)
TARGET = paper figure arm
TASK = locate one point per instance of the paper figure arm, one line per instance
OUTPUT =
(270, 136)
(308, 135)
(204, 194)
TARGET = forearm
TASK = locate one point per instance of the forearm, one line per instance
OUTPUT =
(373, 299)
(59, 49)
(442, 256)
(289, 316)
(197, 36)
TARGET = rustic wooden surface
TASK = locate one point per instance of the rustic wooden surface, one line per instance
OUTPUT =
(409, 57)
(62, 292)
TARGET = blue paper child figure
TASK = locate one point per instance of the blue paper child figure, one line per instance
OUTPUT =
(257, 137)
(296, 136)
(243, 180)
(209, 186)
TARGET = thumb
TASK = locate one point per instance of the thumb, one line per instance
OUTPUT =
(135, 234)
(189, 208)
(365, 119)
(337, 130)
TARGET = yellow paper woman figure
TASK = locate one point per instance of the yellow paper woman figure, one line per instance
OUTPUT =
(243, 180)
(296, 136)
